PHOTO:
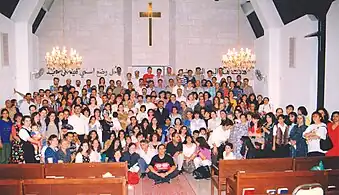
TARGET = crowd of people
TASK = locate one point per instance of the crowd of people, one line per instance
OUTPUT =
(163, 123)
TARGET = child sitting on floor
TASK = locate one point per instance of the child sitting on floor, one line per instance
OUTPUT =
(228, 153)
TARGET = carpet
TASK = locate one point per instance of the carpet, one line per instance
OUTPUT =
(178, 186)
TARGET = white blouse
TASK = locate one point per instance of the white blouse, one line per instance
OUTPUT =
(188, 151)
(214, 123)
(314, 144)
(196, 124)
(94, 156)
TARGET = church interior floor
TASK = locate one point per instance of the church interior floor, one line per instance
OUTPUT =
(200, 187)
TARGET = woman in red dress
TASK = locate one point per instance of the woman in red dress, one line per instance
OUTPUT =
(333, 132)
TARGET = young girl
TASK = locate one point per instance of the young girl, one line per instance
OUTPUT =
(281, 138)
(228, 153)
(142, 113)
(95, 154)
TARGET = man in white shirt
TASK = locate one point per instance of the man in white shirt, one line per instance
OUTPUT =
(118, 75)
(79, 123)
(26, 103)
(177, 86)
(266, 107)
(146, 154)
(218, 137)
(135, 79)
(219, 75)
(128, 79)
(158, 76)
(180, 97)
(149, 104)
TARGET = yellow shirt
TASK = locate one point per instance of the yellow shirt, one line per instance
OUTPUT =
(234, 103)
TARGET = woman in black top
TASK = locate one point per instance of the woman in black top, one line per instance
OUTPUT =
(107, 126)
(268, 134)
(144, 125)
(152, 127)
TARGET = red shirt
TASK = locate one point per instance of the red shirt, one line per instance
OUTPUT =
(334, 135)
(147, 77)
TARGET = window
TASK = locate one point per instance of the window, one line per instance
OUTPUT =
(4, 49)
(292, 52)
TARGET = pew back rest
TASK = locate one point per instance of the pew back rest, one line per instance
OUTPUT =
(273, 180)
(228, 168)
(86, 170)
(107, 186)
(21, 171)
(11, 187)
(303, 164)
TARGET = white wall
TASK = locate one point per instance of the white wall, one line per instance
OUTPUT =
(287, 85)
(261, 51)
(205, 30)
(94, 28)
(298, 86)
(7, 74)
(332, 59)
(190, 33)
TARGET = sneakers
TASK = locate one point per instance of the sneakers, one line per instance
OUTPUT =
(156, 182)
(164, 180)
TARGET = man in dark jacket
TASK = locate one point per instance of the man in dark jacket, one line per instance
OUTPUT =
(130, 156)
(161, 113)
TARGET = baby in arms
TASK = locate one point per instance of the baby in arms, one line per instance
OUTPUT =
(36, 135)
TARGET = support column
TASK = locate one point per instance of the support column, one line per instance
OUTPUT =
(22, 55)
(24, 16)
(268, 48)
(273, 77)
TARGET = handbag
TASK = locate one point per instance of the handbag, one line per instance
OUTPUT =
(202, 172)
(133, 178)
(326, 144)
(188, 166)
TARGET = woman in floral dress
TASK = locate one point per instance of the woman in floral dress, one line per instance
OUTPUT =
(239, 130)
(17, 154)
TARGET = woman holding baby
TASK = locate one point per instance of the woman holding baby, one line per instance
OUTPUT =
(27, 141)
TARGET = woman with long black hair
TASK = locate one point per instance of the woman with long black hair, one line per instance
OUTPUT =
(52, 124)
(267, 128)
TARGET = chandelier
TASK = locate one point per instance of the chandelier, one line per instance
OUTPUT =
(243, 60)
(63, 59)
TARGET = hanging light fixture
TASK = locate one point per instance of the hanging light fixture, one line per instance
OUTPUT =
(62, 59)
(242, 60)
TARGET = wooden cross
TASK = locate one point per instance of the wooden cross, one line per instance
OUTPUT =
(150, 15)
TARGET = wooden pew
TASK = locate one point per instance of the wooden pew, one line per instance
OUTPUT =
(21, 171)
(333, 182)
(228, 168)
(304, 164)
(11, 187)
(97, 186)
(85, 170)
(264, 181)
